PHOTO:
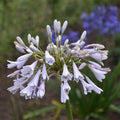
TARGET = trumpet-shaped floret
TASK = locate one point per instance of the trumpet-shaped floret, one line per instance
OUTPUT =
(66, 74)
(48, 58)
(65, 88)
(77, 74)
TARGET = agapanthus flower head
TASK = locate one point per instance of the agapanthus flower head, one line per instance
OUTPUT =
(103, 19)
(64, 60)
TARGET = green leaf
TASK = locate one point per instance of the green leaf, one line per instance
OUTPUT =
(115, 108)
(113, 79)
(114, 75)
(115, 92)
(57, 113)
(58, 104)
(38, 112)
(99, 116)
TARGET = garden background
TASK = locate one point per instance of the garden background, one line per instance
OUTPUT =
(21, 17)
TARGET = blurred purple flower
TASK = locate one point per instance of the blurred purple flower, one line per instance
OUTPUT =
(104, 19)
(72, 36)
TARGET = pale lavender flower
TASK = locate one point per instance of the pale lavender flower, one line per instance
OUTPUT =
(95, 64)
(77, 74)
(13, 64)
(49, 32)
(20, 41)
(64, 26)
(37, 40)
(32, 40)
(98, 55)
(94, 87)
(66, 74)
(14, 89)
(35, 80)
(51, 47)
(78, 43)
(98, 72)
(44, 73)
(28, 92)
(82, 65)
(24, 57)
(65, 88)
(98, 46)
(29, 38)
(55, 25)
(41, 89)
(28, 50)
(87, 88)
(48, 58)
(58, 27)
(20, 61)
(21, 49)
(15, 73)
(18, 85)
(28, 70)
(83, 36)
(35, 49)
(58, 39)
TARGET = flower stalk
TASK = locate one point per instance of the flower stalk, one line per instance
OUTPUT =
(68, 110)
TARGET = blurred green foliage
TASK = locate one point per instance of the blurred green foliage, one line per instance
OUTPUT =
(115, 50)
(20, 17)
(69, 9)
(107, 2)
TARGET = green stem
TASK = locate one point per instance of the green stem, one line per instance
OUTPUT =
(68, 109)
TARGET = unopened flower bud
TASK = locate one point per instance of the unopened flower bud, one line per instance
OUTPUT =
(83, 36)
(55, 25)
(58, 27)
(20, 41)
(49, 32)
(64, 26)
(37, 40)
(29, 38)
